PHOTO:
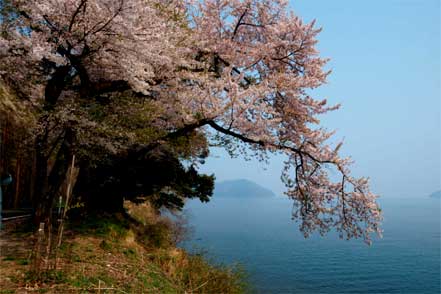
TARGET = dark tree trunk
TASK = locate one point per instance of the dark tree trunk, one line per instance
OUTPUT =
(41, 180)
(44, 183)
(56, 177)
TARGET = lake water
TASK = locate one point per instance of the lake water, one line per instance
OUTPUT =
(260, 235)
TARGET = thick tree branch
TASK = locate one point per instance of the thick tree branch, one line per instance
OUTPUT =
(55, 86)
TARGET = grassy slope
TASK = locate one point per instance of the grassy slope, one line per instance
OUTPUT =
(108, 256)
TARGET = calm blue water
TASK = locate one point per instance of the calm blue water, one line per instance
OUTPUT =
(259, 234)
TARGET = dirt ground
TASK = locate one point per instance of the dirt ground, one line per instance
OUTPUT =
(15, 249)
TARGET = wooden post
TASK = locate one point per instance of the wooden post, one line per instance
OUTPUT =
(36, 263)
(65, 209)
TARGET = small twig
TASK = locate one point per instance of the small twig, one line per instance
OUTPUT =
(200, 286)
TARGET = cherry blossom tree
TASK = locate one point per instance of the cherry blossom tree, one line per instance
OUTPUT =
(239, 72)
(259, 61)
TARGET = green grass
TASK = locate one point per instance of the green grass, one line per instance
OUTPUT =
(105, 245)
(130, 253)
(49, 276)
(90, 282)
(19, 261)
(23, 261)
(110, 226)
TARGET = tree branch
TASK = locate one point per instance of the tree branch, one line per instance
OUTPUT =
(239, 22)
(72, 20)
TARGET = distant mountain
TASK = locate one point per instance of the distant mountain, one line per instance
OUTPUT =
(241, 189)
(436, 194)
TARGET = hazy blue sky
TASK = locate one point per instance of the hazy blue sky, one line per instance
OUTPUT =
(385, 58)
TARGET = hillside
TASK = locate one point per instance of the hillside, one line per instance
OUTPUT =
(241, 188)
(113, 255)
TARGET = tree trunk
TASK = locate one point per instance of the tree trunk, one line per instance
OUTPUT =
(17, 183)
(44, 183)
(51, 184)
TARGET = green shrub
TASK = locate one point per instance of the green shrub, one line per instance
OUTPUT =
(201, 276)
(157, 235)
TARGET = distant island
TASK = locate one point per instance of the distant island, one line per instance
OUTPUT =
(436, 194)
(241, 188)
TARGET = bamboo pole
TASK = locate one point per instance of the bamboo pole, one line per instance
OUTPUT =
(65, 209)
